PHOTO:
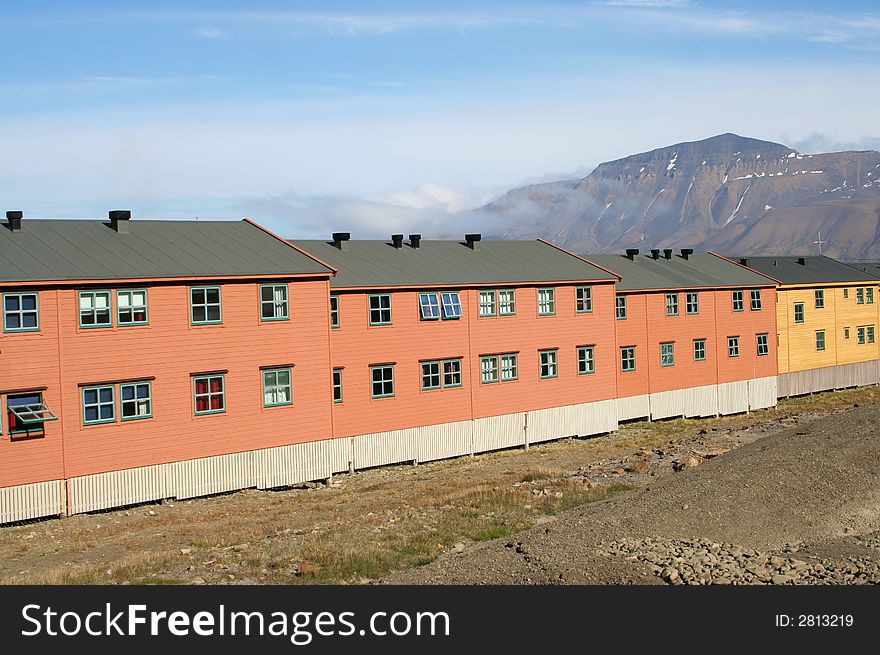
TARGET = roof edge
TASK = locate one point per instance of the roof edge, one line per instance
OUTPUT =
(715, 254)
(333, 271)
(576, 256)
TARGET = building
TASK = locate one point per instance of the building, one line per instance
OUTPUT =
(827, 318)
(694, 335)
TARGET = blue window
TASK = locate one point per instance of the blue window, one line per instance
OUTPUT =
(21, 312)
(99, 405)
(451, 304)
(430, 306)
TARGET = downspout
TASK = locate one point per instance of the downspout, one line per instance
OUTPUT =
(63, 418)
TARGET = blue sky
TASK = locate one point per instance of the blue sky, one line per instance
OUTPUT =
(385, 116)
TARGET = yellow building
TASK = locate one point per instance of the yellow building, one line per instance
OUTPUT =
(827, 316)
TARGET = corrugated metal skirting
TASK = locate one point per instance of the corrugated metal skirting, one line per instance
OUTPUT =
(733, 397)
(827, 378)
(30, 501)
(762, 392)
(633, 407)
(498, 432)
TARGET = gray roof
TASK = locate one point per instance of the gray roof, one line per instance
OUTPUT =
(378, 264)
(57, 250)
(699, 270)
(815, 270)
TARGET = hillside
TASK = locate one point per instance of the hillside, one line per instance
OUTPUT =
(727, 192)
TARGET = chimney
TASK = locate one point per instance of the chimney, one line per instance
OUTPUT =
(473, 241)
(415, 240)
(119, 220)
(745, 261)
(341, 239)
(631, 253)
(655, 253)
(14, 220)
(802, 261)
(397, 240)
(667, 253)
(686, 252)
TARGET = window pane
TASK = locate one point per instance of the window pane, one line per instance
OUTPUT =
(12, 303)
(106, 412)
(213, 313)
(91, 413)
(106, 395)
(13, 321)
(90, 396)
(213, 295)
(198, 314)
(28, 302)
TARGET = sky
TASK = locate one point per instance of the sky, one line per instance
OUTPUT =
(377, 117)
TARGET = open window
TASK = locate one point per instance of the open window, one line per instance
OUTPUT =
(27, 413)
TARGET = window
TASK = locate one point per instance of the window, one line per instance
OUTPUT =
(799, 312)
(94, 309)
(509, 367)
(699, 350)
(205, 305)
(507, 302)
(489, 369)
(756, 300)
(334, 312)
(429, 305)
(672, 304)
(337, 385)
(763, 345)
(620, 308)
(586, 360)
(667, 354)
(693, 303)
(584, 300)
(846, 333)
(451, 304)
(628, 358)
(488, 306)
(136, 400)
(99, 405)
(846, 293)
(820, 339)
(820, 298)
(27, 412)
(21, 312)
(430, 375)
(452, 373)
(546, 302)
(383, 381)
(273, 302)
(380, 309)
(549, 364)
(209, 394)
(733, 346)
(131, 307)
(860, 296)
(860, 332)
(738, 300)
(277, 389)
(869, 293)
(870, 334)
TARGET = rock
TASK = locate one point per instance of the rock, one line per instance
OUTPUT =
(670, 575)
(685, 506)
(721, 581)
(198, 581)
(781, 579)
(186, 551)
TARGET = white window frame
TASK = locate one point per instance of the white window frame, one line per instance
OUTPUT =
(488, 303)
(547, 301)
(586, 360)
(278, 305)
(429, 306)
(507, 302)
(276, 388)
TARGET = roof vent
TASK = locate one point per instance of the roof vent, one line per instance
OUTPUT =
(415, 240)
(655, 253)
(397, 240)
(119, 220)
(473, 241)
(631, 253)
(802, 261)
(686, 252)
(745, 261)
(341, 239)
(667, 253)
(14, 220)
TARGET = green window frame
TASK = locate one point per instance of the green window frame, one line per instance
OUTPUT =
(738, 304)
(334, 312)
(549, 360)
(509, 363)
(337, 385)
(820, 298)
(98, 404)
(95, 309)
(132, 307)
(672, 304)
(820, 339)
(586, 360)
(692, 302)
(547, 301)
(870, 330)
(869, 295)
(584, 300)
(380, 309)
(667, 354)
(756, 302)
(205, 305)
(620, 308)
(277, 387)
(733, 346)
(507, 302)
(274, 302)
(382, 378)
(627, 359)
(450, 305)
(860, 295)
(799, 312)
(763, 344)
(431, 376)
(209, 394)
(488, 303)
(846, 293)
(452, 376)
(699, 350)
(26, 410)
(846, 333)
(135, 401)
(21, 312)
(489, 369)
(860, 332)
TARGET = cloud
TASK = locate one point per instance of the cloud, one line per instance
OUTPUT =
(821, 142)
(650, 3)
(211, 33)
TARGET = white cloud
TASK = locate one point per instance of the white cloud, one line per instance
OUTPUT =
(211, 33)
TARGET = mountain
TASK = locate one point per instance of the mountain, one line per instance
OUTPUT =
(727, 193)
